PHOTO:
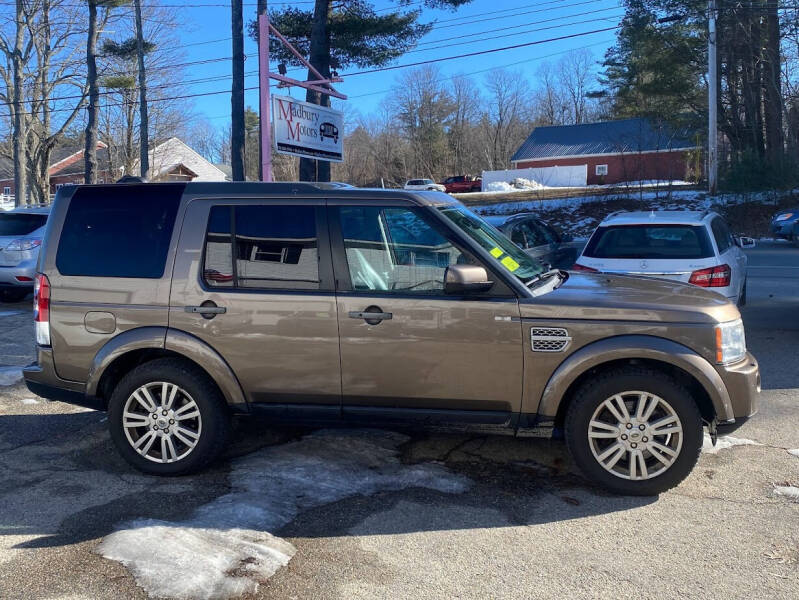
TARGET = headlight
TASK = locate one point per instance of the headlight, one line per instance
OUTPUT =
(784, 217)
(730, 342)
(23, 244)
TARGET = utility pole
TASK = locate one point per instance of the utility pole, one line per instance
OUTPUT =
(264, 122)
(712, 99)
(237, 93)
(144, 124)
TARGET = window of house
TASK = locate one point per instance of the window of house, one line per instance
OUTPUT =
(262, 247)
(601, 170)
(6, 191)
(396, 250)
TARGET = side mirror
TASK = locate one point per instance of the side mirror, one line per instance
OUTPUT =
(746, 242)
(465, 279)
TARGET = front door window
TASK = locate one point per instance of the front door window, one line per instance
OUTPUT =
(396, 250)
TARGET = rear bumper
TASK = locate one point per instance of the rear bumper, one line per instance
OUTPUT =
(42, 380)
(742, 380)
(25, 269)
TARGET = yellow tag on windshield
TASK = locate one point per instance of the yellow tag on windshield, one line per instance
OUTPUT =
(510, 264)
(496, 252)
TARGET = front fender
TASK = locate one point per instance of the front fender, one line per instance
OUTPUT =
(635, 347)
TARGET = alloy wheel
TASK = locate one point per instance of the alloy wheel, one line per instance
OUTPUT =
(635, 435)
(162, 422)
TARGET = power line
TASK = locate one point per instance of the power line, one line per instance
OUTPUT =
(378, 69)
(223, 59)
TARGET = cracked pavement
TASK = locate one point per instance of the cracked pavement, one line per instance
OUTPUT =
(529, 527)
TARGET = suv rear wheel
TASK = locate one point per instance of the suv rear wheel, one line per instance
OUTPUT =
(167, 417)
(634, 430)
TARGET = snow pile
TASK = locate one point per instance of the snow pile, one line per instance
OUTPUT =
(520, 184)
(795, 452)
(224, 548)
(499, 186)
(725, 442)
(787, 491)
(10, 375)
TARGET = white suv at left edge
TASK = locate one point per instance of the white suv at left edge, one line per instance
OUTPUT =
(692, 246)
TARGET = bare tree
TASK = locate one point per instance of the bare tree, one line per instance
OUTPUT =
(576, 74)
(422, 107)
(508, 116)
(465, 116)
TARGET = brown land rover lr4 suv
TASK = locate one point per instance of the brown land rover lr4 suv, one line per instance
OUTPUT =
(173, 306)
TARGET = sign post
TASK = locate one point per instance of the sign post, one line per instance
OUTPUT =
(317, 138)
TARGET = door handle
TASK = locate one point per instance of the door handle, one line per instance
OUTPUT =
(376, 316)
(208, 309)
(372, 315)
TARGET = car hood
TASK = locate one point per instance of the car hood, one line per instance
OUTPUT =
(628, 298)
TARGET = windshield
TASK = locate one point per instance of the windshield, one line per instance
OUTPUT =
(650, 241)
(505, 253)
(20, 223)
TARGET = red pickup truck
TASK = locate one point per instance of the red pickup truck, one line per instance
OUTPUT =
(462, 183)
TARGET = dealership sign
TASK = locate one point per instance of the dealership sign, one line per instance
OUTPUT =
(307, 130)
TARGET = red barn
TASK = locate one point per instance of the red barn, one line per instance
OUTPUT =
(614, 151)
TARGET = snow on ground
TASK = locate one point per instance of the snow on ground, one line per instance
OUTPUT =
(10, 375)
(795, 452)
(787, 491)
(224, 548)
(724, 442)
(520, 184)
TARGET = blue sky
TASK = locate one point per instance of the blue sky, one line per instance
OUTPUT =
(510, 22)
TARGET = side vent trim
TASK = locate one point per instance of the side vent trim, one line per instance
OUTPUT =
(549, 339)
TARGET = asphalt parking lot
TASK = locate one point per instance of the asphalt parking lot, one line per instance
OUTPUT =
(301, 514)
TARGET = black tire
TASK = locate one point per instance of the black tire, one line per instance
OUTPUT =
(742, 297)
(12, 295)
(595, 391)
(205, 393)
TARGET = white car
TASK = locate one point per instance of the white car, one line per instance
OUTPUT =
(424, 184)
(691, 246)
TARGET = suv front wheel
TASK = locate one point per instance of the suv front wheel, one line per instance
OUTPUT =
(634, 430)
(167, 417)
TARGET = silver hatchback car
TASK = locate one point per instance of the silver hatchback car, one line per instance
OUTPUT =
(21, 233)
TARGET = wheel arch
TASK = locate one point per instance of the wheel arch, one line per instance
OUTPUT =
(137, 346)
(689, 368)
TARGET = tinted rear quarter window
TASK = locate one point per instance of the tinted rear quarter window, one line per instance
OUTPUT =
(118, 231)
(20, 223)
(650, 241)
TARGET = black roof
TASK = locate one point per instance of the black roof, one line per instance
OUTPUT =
(610, 137)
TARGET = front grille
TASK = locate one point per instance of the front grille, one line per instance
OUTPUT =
(549, 339)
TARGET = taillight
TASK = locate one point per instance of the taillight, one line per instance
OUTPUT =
(712, 277)
(583, 268)
(41, 309)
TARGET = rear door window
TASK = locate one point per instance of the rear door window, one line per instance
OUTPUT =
(722, 235)
(274, 246)
(650, 241)
(14, 224)
(118, 231)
